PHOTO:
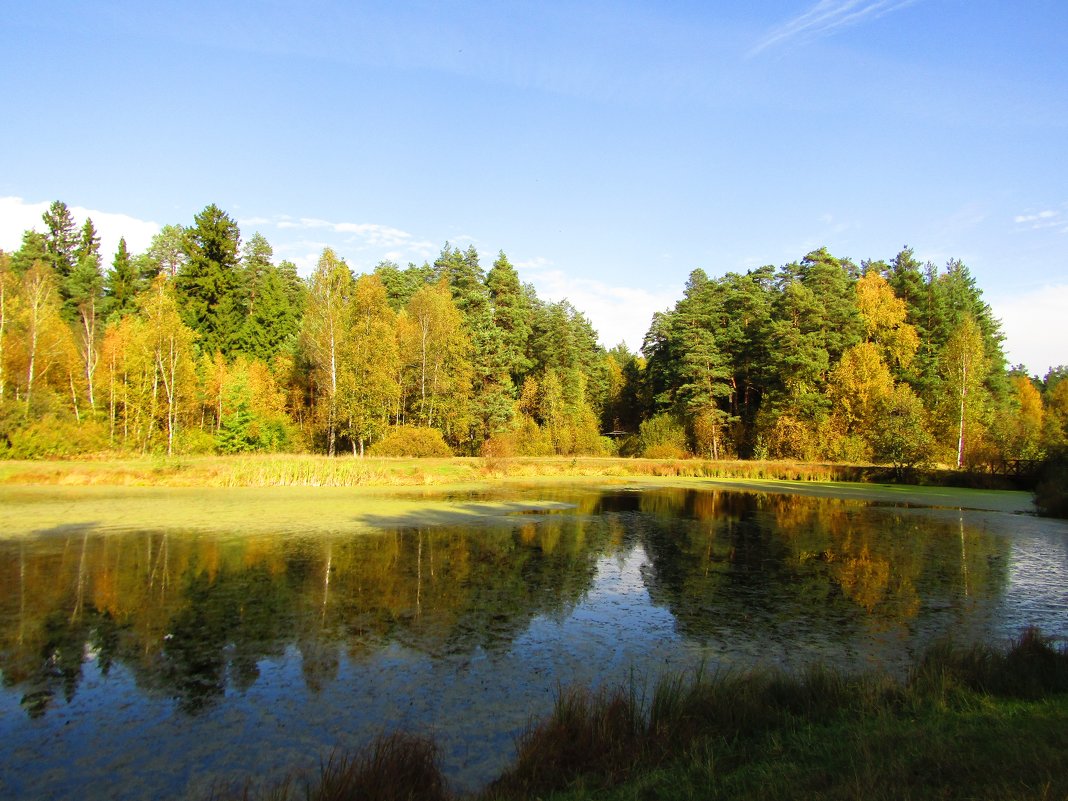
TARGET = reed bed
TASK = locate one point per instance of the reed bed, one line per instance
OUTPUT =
(306, 470)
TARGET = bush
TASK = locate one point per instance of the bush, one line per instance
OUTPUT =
(190, 441)
(1051, 493)
(53, 437)
(411, 441)
(662, 437)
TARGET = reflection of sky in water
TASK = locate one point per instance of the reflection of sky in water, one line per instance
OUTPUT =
(116, 740)
(1037, 593)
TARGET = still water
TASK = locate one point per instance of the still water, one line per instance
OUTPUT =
(152, 661)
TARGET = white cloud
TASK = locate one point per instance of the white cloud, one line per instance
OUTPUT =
(400, 244)
(1035, 326)
(17, 216)
(618, 313)
(826, 17)
(1047, 219)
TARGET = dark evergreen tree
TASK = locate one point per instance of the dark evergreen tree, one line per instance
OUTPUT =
(209, 287)
(61, 240)
(272, 323)
(296, 291)
(511, 314)
(121, 284)
(82, 289)
(465, 278)
(34, 248)
(832, 283)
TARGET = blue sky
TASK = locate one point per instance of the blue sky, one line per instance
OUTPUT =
(608, 148)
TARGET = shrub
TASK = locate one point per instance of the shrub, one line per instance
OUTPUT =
(1051, 493)
(190, 441)
(411, 441)
(662, 437)
(55, 437)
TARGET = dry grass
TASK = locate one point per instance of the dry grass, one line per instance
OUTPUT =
(396, 767)
(596, 741)
(272, 470)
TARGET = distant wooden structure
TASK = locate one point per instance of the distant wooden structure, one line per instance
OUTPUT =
(1017, 468)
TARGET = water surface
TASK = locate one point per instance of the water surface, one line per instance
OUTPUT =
(147, 660)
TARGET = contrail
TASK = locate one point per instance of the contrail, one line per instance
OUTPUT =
(826, 17)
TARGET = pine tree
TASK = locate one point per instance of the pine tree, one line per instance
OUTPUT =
(165, 254)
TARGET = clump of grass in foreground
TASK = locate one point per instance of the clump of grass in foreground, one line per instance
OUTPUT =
(823, 733)
(396, 767)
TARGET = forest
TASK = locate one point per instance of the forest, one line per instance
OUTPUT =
(203, 343)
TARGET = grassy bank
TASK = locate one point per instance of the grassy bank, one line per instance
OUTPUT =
(302, 493)
(322, 471)
(967, 724)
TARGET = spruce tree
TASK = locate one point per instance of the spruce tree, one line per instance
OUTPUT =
(61, 240)
(208, 284)
(121, 284)
(512, 316)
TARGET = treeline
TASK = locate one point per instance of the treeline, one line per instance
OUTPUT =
(204, 343)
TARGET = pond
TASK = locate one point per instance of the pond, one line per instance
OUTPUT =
(154, 659)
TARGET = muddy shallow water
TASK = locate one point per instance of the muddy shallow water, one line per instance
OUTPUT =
(144, 658)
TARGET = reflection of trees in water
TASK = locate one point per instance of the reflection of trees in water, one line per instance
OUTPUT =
(752, 565)
(191, 615)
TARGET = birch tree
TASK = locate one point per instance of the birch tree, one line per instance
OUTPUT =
(324, 333)
(370, 383)
(964, 369)
(169, 342)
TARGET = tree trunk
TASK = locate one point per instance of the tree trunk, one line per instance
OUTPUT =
(960, 434)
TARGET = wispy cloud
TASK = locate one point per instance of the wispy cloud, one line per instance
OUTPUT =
(1047, 219)
(394, 243)
(827, 17)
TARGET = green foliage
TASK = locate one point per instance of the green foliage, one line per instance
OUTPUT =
(236, 433)
(411, 441)
(34, 248)
(53, 436)
(662, 436)
(808, 361)
(194, 441)
(61, 239)
(209, 286)
(121, 284)
(901, 437)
